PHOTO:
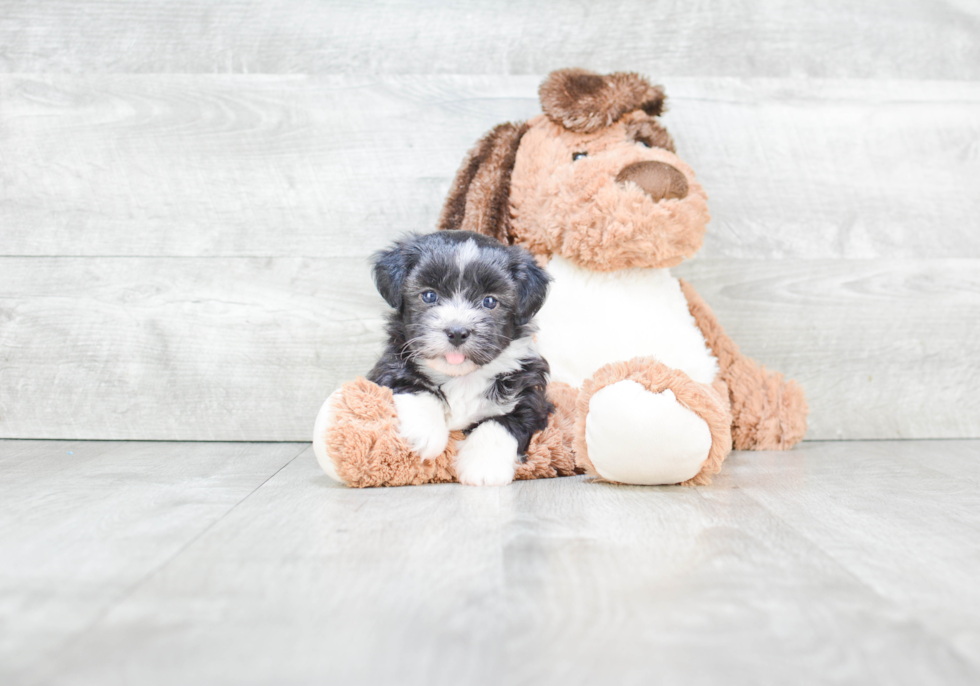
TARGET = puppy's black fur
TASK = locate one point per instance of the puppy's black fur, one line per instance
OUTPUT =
(464, 268)
(530, 415)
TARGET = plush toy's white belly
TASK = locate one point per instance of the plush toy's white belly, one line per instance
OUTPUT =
(593, 318)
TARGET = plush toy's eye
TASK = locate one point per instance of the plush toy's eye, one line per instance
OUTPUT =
(489, 302)
(642, 142)
(429, 297)
(576, 156)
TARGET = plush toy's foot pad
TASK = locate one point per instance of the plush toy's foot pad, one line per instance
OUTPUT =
(638, 437)
(641, 422)
(325, 420)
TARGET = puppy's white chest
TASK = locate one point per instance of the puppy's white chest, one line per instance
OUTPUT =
(594, 318)
(467, 401)
(467, 398)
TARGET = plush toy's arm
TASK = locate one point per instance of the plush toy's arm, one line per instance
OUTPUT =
(357, 441)
(769, 413)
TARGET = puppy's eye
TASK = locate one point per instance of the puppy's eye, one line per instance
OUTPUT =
(644, 143)
(576, 156)
(489, 302)
(429, 297)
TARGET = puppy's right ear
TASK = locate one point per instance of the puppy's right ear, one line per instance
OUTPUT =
(391, 268)
(532, 283)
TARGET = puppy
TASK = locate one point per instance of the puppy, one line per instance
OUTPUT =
(461, 354)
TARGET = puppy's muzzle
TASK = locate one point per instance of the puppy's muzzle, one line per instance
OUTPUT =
(659, 180)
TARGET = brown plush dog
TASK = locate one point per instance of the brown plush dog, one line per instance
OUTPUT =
(649, 388)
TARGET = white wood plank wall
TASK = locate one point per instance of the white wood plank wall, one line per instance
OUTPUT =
(189, 192)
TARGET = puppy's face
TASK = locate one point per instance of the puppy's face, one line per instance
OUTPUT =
(460, 297)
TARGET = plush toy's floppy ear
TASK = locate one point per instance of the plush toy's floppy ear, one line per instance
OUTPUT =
(392, 266)
(532, 283)
(584, 101)
(479, 198)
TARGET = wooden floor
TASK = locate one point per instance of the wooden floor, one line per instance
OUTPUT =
(238, 563)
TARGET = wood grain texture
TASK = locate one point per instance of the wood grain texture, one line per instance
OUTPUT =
(82, 524)
(883, 348)
(919, 39)
(247, 349)
(222, 166)
(189, 190)
(171, 348)
(877, 506)
(334, 166)
(847, 563)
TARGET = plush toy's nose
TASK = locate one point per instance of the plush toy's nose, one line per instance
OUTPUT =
(659, 180)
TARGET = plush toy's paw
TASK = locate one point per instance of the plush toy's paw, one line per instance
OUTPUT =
(488, 456)
(422, 423)
(638, 437)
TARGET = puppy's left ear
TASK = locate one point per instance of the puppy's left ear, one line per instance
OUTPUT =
(532, 283)
(391, 268)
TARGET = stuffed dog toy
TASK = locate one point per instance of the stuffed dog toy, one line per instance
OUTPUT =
(647, 386)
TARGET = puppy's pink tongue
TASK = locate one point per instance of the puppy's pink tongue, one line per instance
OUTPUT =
(455, 358)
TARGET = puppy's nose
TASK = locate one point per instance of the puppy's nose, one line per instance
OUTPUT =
(457, 335)
(659, 180)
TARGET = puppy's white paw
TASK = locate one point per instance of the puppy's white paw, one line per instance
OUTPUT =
(488, 456)
(422, 422)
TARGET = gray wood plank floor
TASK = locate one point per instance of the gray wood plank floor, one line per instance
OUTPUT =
(163, 563)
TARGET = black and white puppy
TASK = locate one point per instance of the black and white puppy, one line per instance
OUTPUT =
(461, 354)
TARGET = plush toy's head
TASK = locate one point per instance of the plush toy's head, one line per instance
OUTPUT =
(595, 179)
